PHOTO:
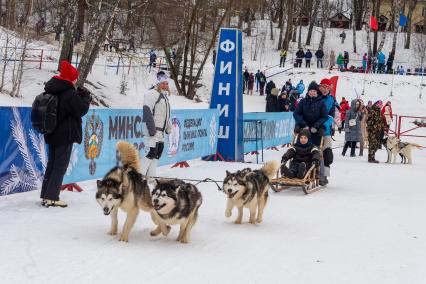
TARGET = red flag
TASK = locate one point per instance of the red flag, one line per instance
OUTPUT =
(373, 23)
(334, 85)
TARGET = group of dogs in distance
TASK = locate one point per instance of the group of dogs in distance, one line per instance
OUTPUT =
(174, 202)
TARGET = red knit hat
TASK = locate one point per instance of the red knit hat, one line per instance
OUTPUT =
(325, 81)
(67, 72)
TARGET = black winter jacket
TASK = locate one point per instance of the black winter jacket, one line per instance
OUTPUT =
(73, 104)
(302, 153)
(311, 112)
(319, 53)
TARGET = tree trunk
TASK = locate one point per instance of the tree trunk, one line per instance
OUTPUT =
(397, 7)
(411, 8)
(312, 21)
(281, 24)
(67, 42)
(11, 14)
(299, 42)
(81, 12)
(289, 29)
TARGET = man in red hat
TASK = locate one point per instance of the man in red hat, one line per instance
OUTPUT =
(73, 103)
(330, 103)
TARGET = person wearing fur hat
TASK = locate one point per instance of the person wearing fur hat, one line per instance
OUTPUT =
(303, 154)
(156, 116)
(73, 104)
(272, 103)
(311, 113)
(375, 129)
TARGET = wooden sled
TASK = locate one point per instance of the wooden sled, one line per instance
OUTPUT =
(309, 183)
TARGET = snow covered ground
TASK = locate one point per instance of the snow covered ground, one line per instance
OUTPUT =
(365, 227)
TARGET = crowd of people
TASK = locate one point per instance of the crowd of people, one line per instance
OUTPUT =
(368, 64)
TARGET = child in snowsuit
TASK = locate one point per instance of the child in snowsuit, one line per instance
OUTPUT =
(303, 153)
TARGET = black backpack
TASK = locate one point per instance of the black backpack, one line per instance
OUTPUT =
(44, 113)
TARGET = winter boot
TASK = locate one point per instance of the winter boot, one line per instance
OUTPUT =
(301, 171)
(286, 172)
(57, 203)
(345, 148)
(372, 158)
(323, 181)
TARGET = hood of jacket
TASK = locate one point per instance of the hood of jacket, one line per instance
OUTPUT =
(57, 86)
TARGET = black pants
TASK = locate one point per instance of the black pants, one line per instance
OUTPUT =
(59, 157)
(282, 61)
(348, 144)
(320, 63)
(308, 63)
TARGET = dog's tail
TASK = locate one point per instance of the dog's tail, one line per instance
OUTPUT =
(129, 155)
(270, 168)
(416, 145)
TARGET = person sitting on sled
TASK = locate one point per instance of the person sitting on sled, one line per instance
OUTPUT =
(303, 153)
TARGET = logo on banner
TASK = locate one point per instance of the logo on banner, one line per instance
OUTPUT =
(174, 138)
(93, 138)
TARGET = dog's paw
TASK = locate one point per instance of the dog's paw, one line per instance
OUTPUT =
(237, 222)
(112, 232)
(252, 221)
(124, 238)
(228, 214)
(184, 241)
(259, 220)
(155, 233)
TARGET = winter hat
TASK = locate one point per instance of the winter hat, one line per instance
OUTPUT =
(162, 79)
(378, 103)
(67, 72)
(326, 82)
(313, 86)
(275, 91)
(305, 132)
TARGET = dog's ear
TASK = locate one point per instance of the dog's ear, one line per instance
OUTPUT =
(228, 173)
(99, 183)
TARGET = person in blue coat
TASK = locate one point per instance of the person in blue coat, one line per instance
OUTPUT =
(300, 87)
(311, 113)
(381, 62)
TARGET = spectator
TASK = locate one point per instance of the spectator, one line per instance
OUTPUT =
(381, 62)
(107, 43)
(293, 98)
(257, 77)
(132, 44)
(401, 70)
(262, 83)
(340, 61)
(364, 62)
(300, 88)
(152, 59)
(250, 84)
(308, 57)
(375, 131)
(73, 105)
(58, 31)
(299, 58)
(387, 116)
(319, 54)
(269, 87)
(287, 87)
(389, 63)
(246, 75)
(344, 107)
(272, 104)
(373, 61)
(345, 59)
(343, 36)
(284, 103)
(283, 56)
(353, 127)
(332, 60)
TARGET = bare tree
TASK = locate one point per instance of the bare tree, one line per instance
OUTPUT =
(325, 14)
(411, 7)
(312, 19)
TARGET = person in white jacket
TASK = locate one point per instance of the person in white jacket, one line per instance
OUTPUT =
(156, 116)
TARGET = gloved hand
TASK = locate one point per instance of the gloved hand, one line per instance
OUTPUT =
(321, 131)
(314, 130)
(316, 163)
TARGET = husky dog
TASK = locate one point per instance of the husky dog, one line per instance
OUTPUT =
(175, 202)
(124, 187)
(395, 147)
(249, 189)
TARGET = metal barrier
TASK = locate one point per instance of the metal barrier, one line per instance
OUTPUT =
(401, 132)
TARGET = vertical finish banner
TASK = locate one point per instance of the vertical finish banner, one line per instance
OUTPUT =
(227, 95)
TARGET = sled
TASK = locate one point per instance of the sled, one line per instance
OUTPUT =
(309, 183)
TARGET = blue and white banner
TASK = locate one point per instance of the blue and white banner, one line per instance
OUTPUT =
(23, 153)
(276, 129)
(227, 94)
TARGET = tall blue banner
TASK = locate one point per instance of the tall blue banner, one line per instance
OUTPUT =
(227, 95)
(23, 153)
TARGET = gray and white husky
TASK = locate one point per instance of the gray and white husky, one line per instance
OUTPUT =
(124, 187)
(247, 188)
(395, 147)
(175, 202)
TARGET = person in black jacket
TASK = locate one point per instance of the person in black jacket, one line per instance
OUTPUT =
(72, 105)
(319, 54)
(269, 87)
(272, 104)
(311, 113)
(299, 58)
(303, 154)
(308, 57)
